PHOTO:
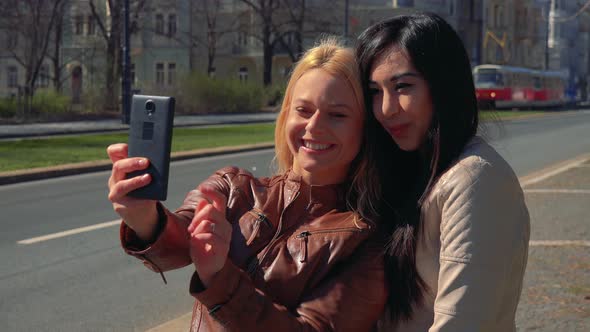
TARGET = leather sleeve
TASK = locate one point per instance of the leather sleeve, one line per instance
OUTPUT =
(351, 298)
(484, 245)
(170, 249)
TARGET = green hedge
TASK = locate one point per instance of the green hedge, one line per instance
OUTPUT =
(50, 103)
(45, 104)
(8, 107)
(202, 94)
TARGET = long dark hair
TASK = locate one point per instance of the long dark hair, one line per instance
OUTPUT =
(438, 54)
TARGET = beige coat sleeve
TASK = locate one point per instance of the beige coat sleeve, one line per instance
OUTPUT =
(484, 234)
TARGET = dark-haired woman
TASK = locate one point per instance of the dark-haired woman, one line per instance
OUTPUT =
(460, 226)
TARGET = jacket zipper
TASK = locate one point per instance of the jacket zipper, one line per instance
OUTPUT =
(261, 219)
(304, 237)
(255, 262)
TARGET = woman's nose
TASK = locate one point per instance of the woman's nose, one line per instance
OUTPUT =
(389, 105)
(315, 122)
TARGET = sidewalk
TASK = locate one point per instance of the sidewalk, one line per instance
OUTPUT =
(79, 127)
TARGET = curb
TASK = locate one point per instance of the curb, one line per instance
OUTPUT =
(102, 165)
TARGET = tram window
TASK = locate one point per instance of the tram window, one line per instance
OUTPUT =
(537, 82)
(489, 76)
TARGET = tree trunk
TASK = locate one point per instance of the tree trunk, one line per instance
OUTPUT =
(267, 48)
(113, 70)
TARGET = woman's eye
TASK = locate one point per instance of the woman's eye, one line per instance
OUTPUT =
(303, 111)
(338, 115)
(374, 91)
(401, 86)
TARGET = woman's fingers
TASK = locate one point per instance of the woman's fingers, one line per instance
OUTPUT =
(125, 166)
(222, 230)
(208, 245)
(196, 218)
(117, 151)
(121, 188)
(216, 198)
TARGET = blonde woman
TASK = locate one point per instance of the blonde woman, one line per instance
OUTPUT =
(294, 252)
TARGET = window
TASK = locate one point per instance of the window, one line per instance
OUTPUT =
(159, 73)
(43, 78)
(286, 70)
(11, 41)
(79, 25)
(171, 73)
(452, 7)
(242, 38)
(12, 76)
(243, 74)
(160, 24)
(171, 25)
(91, 26)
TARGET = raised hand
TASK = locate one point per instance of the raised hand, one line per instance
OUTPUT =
(139, 214)
(210, 235)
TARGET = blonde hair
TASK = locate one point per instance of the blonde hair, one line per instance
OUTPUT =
(337, 60)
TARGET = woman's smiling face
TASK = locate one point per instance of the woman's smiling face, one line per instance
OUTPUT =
(324, 127)
(401, 99)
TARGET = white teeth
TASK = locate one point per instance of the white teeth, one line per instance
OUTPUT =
(315, 146)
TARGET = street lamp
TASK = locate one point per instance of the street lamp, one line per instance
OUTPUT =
(125, 82)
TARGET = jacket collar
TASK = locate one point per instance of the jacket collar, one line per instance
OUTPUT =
(317, 198)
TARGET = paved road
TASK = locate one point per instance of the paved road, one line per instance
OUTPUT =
(556, 291)
(83, 281)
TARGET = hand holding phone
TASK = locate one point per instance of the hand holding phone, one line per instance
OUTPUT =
(150, 136)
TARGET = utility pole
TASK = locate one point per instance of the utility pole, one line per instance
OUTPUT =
(125, 82)
(346, 21)
(550, 32)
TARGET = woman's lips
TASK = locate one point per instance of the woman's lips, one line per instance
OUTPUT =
(315, 147)
(399, 130)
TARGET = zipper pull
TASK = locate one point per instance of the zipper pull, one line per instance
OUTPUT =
(303, 245)
(263, 218)
(256, 229)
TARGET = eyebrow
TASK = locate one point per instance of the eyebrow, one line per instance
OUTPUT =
(331, 105)
(398, 76)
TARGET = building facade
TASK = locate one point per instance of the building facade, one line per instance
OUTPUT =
(224, 38)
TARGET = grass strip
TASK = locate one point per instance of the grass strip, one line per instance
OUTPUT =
(42, 152)
(506, 115)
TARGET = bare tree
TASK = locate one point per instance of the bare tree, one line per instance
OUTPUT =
(210, 10)
(269, 34)
(112, 38)
(32, 21)
(296, 11)
(55, 55)
(278, 19)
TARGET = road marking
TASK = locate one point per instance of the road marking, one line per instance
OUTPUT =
(551, 171)
(557, 191)
(70, 232)
(559, 243)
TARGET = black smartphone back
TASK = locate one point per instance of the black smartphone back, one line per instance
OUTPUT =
(150, 136)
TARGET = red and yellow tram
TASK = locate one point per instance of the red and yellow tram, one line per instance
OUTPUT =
(500, 86)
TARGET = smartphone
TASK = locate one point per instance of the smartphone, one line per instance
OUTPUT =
(150, 136)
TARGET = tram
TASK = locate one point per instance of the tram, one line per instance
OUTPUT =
(499, 86)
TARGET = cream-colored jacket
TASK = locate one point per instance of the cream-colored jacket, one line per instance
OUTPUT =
(473, 249)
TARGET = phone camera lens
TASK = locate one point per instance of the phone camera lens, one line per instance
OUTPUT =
(150, 107)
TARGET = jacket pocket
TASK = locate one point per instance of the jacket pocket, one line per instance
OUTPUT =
(253, 227)
(306, 236)
(260, 223)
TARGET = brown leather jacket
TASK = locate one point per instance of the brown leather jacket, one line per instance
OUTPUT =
(299, 260)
